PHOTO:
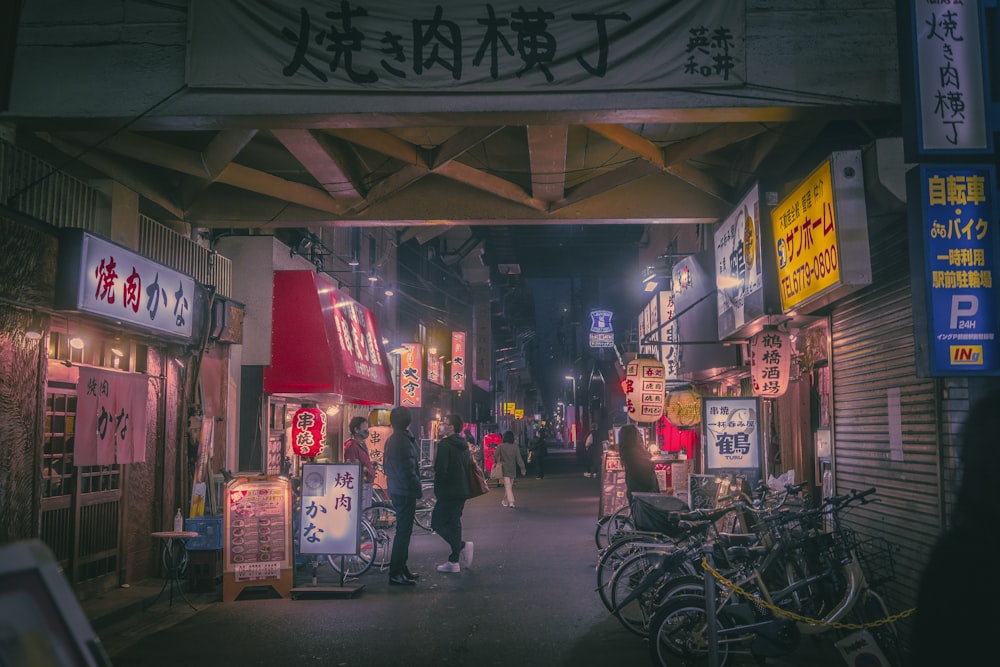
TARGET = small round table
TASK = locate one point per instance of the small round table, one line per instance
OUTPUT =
(174, 541)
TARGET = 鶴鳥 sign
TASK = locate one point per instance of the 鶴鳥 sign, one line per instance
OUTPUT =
(644, 387)
(308, 429)
(770, 362)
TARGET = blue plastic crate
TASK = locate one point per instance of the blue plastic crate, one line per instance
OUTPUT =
(209, 529)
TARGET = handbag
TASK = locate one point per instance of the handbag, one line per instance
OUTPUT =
(496, 472)
(477, 481)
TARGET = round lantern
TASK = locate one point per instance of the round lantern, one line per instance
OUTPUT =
(683, 408)
(644, 385)
(770, 362)
(308, 429)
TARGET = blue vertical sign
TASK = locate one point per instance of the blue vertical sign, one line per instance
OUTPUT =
(958, 225)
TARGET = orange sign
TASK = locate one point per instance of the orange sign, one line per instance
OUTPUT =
(410, 381)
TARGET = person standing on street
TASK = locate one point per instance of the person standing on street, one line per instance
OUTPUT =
(403, 479)
(593, 451)
(451, 486)
(356, 451)
(539, 450)
(640, 471)
(509, 458)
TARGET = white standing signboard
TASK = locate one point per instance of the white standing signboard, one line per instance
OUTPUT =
(331, 509)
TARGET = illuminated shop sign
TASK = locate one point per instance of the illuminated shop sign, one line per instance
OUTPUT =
(601, 333)
(457, 373)
(948, 69)
(820, 235)
(732, 433)
(107, 280)
(738, 266)
(958, 234)
(410, 378)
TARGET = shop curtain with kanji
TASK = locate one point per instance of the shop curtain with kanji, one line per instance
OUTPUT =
(110, 418)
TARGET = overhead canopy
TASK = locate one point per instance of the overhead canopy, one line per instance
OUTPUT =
(324, 342)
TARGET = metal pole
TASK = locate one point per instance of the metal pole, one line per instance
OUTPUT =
(713, 635)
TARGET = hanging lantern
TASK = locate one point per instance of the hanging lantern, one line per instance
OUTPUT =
(770, 362)
(308, 429)
(683, 408)
(644, 384)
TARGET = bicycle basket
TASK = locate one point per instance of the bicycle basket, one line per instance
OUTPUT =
(876, 557)
(657, 512)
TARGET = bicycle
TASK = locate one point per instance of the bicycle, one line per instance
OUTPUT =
(752, 615)
(424, 508)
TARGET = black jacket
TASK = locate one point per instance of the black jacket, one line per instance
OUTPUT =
(451, 468)
(400, 460)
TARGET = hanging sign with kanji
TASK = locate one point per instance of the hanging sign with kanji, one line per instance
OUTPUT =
(644, 388)
(308, 429)
(770, 362)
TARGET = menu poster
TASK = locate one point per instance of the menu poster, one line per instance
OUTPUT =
(257, 521)
(331, 509)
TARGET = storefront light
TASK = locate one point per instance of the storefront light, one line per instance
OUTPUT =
(76, 343)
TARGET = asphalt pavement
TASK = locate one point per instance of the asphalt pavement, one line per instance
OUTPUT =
(527, 599)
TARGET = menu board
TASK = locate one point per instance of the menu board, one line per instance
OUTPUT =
(257, 524)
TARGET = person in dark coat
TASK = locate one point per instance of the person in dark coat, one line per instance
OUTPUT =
(950, 627)
(640, 471)
(403, 479)
(451, 486)
(539, 450)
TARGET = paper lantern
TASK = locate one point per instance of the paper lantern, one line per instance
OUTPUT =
(683, 408)
(770, 362)
(644, 385)
(308, 429)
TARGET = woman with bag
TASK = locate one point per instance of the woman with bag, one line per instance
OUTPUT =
(508, 459)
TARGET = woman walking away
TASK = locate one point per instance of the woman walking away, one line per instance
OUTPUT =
(508, 456)
(451, 486)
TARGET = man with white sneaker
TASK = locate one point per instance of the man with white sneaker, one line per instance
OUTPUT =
(451, 487)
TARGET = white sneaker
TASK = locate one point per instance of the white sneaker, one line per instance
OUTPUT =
(504, 502)
(465, 555)
(586, 474)
(448, 566)
(512, 506)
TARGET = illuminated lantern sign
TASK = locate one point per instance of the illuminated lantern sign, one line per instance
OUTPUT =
(410, 381)
(644, 385)
(770, 363)
(683, 408)
(308, 429)
(458, 360)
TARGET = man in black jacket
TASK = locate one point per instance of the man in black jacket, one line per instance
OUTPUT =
(451, 486)
(403, 479)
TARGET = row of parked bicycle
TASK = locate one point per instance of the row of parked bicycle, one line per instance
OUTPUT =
(749, 577)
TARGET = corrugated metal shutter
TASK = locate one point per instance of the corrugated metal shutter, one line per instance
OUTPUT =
(873, 357)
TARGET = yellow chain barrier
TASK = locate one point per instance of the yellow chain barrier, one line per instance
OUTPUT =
(778, 611)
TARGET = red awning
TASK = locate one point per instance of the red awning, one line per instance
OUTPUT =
(324, 342)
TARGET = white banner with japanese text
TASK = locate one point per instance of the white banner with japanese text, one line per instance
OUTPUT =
(110, 418)
(500, 46)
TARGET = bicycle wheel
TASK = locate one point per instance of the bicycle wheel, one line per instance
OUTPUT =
(678, 634)
(382, 518)
(630, 574)
(613, 526)
(870, 609)
(613, 556)
(357, 564)
(425, 505)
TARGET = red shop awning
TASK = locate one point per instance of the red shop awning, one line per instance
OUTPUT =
(324, 342)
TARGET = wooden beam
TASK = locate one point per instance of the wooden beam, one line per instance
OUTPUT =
(385, 143)
(461, 142)
(547, 146)
(636, 143)
(606, 182)
(315, 155)
(223, 149)
(707, 142)
(263, 183)
(489, 183)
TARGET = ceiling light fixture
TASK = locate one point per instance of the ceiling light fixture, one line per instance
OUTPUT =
(373, 276)
(389, 291)
(353, 261)
(76, 343)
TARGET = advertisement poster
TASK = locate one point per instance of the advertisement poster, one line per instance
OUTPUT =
(960, 241)
(732, 433)
(331, 508)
